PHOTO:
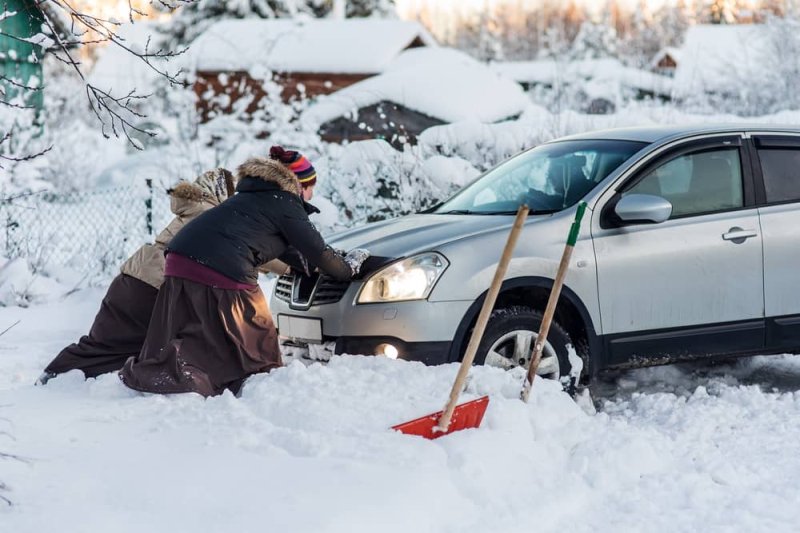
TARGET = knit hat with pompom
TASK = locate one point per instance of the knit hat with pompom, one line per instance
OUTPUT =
(297, 163)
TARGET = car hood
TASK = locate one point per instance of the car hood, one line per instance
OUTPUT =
(411, 234)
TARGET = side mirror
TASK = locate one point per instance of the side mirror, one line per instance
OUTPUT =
(634, 208)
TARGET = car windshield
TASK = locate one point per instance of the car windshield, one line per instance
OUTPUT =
(548, 178)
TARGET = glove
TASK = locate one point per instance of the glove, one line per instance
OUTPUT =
(355, 258)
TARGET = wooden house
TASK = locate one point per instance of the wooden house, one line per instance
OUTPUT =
(306, 58)
(421, 88)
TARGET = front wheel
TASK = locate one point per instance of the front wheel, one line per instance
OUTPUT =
(509, 339)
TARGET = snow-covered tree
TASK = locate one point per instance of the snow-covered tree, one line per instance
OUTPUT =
(195, 17)
(650, 33)
(370, 8)
(594, 41)
(720, 12)
(783, 57)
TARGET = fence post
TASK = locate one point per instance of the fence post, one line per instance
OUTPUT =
(148, 204)
(8, 232)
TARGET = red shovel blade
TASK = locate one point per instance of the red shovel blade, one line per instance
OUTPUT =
(465, 416)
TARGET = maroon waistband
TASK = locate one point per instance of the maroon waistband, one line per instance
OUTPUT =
(179, 266)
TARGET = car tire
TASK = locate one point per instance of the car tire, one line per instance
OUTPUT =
(505, 335)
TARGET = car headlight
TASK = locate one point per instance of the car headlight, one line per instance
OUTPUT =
(409, 279)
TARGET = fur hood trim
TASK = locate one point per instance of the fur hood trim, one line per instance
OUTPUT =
(189, 191)
(270, 171)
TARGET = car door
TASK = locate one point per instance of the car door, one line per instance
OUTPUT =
(776, 161)
(693, 284)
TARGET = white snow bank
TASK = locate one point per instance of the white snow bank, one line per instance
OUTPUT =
(370, 180)
(610, 73)
(723, 58)
(448, 172)
(439, 82)
(333, 46)
(309, 449)
(19, 286)
(486, 145)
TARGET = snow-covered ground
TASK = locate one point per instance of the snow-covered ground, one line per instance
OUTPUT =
(307, 448)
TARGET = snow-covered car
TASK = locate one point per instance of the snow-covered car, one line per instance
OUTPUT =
(689, 249)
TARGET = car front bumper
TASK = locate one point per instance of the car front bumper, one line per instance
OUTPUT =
(421, 330)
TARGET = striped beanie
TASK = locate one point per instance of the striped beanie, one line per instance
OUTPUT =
(297, 163)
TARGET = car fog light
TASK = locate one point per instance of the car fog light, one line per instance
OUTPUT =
(388, 350)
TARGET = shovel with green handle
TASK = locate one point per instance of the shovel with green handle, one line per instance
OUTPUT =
(550, 310)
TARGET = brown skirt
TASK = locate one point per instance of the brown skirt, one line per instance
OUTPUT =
(204, 339)
(117, 333)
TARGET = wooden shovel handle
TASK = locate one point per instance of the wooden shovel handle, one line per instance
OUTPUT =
(483, 319)
(550, 310)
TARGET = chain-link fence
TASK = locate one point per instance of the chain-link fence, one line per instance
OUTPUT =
(86, 234)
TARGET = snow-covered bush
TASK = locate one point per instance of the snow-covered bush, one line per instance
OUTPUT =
(370, 180)
(20, 286)
(486, 145)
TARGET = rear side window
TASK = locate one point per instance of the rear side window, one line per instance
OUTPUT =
(781, 169)
(701, 182)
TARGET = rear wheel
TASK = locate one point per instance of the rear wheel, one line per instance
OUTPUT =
(510, 337)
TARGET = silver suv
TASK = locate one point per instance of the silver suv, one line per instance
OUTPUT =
(690, 248)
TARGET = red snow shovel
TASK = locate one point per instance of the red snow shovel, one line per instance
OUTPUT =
(468, 415)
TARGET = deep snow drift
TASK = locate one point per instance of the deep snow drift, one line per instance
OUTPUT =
(306, 448)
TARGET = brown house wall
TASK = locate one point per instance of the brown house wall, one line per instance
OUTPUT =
(237, 84)
(315, 84)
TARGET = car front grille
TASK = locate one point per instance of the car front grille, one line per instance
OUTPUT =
(283, 288)
(306, 291)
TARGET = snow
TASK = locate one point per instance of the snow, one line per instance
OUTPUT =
(449, 172)
(439, 82)
(719, 57)
(609, 72)
(20, 286)
(672, 51)
(307, 448)
(357, 46)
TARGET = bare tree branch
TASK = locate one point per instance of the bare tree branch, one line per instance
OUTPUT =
(27, 157)
(17, 106)
(115, 113)
(22, 86)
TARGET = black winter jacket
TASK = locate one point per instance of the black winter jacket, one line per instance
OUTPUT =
(266, 220)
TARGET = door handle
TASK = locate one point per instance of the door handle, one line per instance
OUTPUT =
(738, 235)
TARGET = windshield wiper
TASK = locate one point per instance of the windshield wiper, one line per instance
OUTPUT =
(531, 212)
(458, 212)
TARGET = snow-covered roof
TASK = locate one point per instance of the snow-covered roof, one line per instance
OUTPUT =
(595, 73)
(315, 45)
(671, 51)
(715, 55)
(440, 82)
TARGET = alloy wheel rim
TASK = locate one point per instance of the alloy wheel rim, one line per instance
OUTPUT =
(514, 349)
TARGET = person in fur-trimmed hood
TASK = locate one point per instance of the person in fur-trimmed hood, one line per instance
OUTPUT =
(211, 327)
(120, 326)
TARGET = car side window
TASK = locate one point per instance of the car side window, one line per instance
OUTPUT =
(781, 170)
(700, 182)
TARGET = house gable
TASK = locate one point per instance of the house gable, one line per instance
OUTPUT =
(394, 123)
